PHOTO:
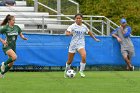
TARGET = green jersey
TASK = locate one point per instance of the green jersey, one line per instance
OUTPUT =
(11, 34)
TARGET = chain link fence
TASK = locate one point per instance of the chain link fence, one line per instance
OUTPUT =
(31, 68)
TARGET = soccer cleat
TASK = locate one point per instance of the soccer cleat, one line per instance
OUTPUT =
(2, 67)
(82, 74)
(1, 75)
(65, 72)
(133, 68)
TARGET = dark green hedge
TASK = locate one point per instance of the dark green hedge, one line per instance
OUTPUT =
(114, 10)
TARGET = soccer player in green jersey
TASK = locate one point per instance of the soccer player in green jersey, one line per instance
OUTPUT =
(11, 31)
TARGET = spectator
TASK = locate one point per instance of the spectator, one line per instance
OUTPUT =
(7, 3)
(122, 34)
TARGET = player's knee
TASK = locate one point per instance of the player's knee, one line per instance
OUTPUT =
(83, 56)
(125, 57)
(14, 57)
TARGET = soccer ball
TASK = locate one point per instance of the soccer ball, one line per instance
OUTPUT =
(71, 73)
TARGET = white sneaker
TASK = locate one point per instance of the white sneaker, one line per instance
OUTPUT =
(2, 67)
(132, 68)
(82, 74)
(1, 76)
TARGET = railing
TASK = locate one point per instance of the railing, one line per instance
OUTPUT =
(103, 26)
(99, 25)
(58, 5)
(77, 4)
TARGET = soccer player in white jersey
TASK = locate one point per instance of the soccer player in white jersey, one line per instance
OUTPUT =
(77, 44)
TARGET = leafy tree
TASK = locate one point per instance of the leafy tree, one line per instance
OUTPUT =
(112, 9)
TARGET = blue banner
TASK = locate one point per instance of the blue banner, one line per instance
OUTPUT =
(52, 50)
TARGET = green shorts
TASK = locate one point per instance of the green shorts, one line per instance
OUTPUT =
(5, 49)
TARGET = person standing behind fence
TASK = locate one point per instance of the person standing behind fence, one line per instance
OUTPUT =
(10, 31)
(78, 30)
(7, 3)
(122, 34)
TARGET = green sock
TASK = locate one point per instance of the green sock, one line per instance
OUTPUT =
(8, 61)
(6, 69)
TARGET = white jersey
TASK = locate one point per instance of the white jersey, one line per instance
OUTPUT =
(78, 39)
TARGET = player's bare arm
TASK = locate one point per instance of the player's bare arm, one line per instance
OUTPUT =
(119, 39)
(122, 29)
(90, 33)
(22, 36)
(3, 42)
(68, 33)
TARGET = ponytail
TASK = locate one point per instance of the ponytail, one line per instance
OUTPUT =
(7, 18)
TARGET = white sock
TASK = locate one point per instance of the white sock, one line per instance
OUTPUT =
(67, 66)
(82, 66)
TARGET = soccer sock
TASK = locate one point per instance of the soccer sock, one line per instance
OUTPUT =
(82, 66)
(6, 69)
(68, 66)
(8, 61)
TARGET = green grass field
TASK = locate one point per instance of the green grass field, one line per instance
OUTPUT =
(53, 82)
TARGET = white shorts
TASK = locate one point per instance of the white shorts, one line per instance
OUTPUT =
(74, 48)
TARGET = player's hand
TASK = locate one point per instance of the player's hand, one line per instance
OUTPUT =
(68, 33)
(119, 40)
(97, 40)
(4, 42)
(25, 38)
(122, 30)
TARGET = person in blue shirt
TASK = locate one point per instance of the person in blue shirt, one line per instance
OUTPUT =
(122, 34)
(7, 3)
